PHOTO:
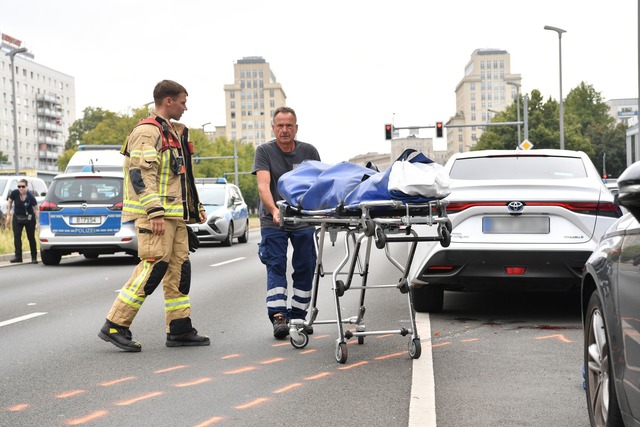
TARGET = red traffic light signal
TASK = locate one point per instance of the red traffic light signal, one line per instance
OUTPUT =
(388, 131)
(439, 127)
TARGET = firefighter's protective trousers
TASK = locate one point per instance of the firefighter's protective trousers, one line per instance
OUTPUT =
(162, 259)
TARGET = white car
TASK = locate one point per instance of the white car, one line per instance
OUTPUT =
(8, 183)
(521, 219)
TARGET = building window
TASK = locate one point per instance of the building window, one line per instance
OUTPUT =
(472, 85)
(473, 106)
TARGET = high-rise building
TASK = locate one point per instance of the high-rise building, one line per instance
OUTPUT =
(251, 100)
(486, 88)
(45, 106)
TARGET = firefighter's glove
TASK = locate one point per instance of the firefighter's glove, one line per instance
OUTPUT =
(194, 243)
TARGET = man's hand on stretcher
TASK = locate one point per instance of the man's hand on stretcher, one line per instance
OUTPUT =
(276, 215)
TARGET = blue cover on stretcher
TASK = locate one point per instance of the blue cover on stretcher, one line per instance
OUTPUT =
(314, 185)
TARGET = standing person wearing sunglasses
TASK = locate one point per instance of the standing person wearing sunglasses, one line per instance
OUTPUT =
(25, 215)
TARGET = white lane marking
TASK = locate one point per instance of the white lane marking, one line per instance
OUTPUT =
(422, 406)
(20, 319)
(227, 262)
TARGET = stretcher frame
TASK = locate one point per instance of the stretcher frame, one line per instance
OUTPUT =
(366, 224)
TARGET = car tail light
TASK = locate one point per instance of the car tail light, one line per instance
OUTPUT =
(515, 270)
(49, 207)
(455, 207)
(116, 207)
(588, 208)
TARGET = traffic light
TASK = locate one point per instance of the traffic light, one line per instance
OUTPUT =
(439, 128)
(388, 131)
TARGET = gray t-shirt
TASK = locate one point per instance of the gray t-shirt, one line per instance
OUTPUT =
(269, 157)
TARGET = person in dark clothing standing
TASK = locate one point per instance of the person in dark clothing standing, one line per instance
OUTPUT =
(272, 160)
(25, 216)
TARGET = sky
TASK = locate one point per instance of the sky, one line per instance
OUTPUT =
(346, 66)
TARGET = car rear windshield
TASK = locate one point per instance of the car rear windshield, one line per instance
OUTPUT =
(518, 167)
(86, 190)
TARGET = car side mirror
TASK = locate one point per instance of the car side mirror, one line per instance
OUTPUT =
(629, 189)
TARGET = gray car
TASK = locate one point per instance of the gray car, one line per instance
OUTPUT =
(611, 315)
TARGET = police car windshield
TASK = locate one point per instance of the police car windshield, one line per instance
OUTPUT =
(212, 195)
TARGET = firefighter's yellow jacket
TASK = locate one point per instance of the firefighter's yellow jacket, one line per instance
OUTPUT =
(158, 172)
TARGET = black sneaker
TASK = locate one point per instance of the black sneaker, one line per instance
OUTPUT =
(187, 339)
(15, 260)
(280, 326)
(119, 336)
(308, 329)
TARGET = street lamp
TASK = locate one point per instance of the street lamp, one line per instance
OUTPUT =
(235, 156)
(12, 55)
(517, 86)
(203, 125)
(559, 31)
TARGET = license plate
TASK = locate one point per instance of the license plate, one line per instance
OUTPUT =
(85, 220)
(515, 225)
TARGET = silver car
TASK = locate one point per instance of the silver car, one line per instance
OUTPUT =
(227, 212)
(611, 315)
(522, 219)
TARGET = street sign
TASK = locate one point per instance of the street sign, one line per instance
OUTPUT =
(525, 145)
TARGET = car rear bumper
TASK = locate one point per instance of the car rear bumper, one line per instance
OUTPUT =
(480, 270)
(123, 241)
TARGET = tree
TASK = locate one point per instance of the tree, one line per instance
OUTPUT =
(225, 167)
(99, 127)
(587, 127)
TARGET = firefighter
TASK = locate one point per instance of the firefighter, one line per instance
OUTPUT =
(160, 196)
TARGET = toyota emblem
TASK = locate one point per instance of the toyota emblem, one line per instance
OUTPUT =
(515, 207)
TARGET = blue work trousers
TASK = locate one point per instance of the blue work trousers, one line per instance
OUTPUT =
(273, 253)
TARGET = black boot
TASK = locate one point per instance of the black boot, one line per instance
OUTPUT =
(182, 333)
(119, 336)
(15, 259)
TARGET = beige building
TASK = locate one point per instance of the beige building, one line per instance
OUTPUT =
(486, 88)
(251, 100)
(45, 101)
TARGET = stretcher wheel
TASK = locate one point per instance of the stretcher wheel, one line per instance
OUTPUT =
(448, 224)
(369, 228)
(302, 341)
(381, 239)
(360, 328)
(446, 237)
(415, 349)
(340, 288)
(341, 352)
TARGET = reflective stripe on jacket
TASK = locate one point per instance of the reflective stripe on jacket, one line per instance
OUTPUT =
(151, 187)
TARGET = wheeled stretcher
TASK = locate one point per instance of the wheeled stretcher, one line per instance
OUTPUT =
(364, 225)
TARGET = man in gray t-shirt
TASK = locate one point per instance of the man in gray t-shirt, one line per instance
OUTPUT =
(272, 160)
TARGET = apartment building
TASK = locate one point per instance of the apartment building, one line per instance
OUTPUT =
(45, 107)
(251, 100)
(488, 87)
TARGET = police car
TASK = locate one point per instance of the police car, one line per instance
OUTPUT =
(227, 212)
(82, 213)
